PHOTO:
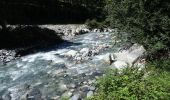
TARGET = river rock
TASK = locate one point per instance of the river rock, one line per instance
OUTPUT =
(55, 98)
(7, 55)
(85, 88)
(89, 94)
(130, 56)
(34, 94)
(76, 97)
(67, 94)
(85, 51)
(119, 64)
(85, 30)
(109, 58)
(71, 53)
(92, 88)
(62, 87)
(72, 86)
(7, 96)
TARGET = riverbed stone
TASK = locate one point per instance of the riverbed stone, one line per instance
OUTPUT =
(34, 94)
(71, 53)
(109, 58)
(7, 96)
(76, 97)
(92, 88)
(85, 51)
(89, 94)
(62, 87)
(67, 94)
(55, 98)
(72, 86)
(85, 88)
(130, 56)
(119, 64)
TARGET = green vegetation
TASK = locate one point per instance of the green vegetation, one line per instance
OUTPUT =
(134, 84)
(92, 24)
(147, 22)
(50, 11)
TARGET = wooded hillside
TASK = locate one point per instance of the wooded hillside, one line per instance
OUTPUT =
(49, 11)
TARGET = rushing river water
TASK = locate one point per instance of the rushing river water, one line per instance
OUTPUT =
(68, 69)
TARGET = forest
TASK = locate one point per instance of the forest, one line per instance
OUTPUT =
(49, 11)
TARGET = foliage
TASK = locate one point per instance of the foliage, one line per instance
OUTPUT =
(50, 11)
(133, 84)
(92, 24)
(146, 21)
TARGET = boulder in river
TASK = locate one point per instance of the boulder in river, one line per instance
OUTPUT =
(76, 97)
(89, 94)
(109, 58)
(129, 57)
(71, 53)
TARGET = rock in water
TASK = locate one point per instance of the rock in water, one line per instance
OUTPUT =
(129, 57)
(119, 64)
(89, 94)
(7, 96)
(76, 97)
(71, 53)
(109, 58)
(34, 94)
(85, 51)
(67, 94)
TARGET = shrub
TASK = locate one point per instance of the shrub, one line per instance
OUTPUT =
(146, 21)
(92, 24)
(133, 84)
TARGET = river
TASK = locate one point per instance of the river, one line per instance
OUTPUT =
(69, 69)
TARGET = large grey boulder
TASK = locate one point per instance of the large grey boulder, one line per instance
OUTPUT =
(129, 57)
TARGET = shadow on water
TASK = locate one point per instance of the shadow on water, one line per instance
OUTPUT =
(31, 39)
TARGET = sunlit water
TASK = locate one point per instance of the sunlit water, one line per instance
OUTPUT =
(49, 69)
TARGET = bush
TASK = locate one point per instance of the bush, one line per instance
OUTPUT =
(146, 21)
(133, 84)
(92, 24)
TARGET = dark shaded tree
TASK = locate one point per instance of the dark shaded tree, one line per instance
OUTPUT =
(146, 21)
